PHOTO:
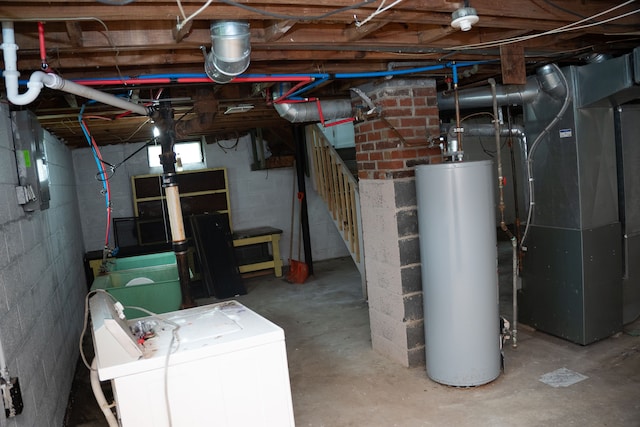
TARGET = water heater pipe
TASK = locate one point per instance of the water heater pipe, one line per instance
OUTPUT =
(39, 79)
(503, 226)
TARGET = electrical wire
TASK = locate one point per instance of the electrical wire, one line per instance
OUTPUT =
(298, 17)
(101, 172)
(566, 28)
(532, 150)
(377, 12)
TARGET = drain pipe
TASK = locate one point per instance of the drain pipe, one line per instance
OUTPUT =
(503, 226)
(39, 79)
(164, 121)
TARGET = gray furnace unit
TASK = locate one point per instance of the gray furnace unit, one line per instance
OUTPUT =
(573, 267)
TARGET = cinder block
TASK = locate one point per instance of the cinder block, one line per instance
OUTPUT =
(405, 193)
(386, 302)
(387, 327)
(413, 309)
(409, 250)
(407, 220)
(411, 278)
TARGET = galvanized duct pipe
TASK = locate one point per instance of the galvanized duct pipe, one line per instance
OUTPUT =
(301, 112)
(39, 79)
(546, 80)
(230, 50)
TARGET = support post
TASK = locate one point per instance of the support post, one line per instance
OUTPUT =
(164, 120)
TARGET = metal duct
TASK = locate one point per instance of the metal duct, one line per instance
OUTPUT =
(302, 112)
(546, 80)
(230, 50)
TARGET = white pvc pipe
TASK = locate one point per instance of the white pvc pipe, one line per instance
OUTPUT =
(99, 395)
(39, 79)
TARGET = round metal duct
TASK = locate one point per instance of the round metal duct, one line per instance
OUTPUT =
(230, 52)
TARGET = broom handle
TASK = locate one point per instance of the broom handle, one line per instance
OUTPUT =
(293, 206)
(300, 233)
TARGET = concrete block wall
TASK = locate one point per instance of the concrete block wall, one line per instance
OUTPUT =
(387, 150)
(42, 285)
(257, 198)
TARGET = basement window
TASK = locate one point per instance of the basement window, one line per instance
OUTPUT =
(187, 153)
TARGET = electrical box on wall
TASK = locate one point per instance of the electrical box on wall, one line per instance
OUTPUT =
(33, 171)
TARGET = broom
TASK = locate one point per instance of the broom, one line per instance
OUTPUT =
(298, 270)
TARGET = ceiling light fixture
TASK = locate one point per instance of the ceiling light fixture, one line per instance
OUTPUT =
(464, 17)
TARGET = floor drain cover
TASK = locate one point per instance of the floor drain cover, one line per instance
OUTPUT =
(562, 377)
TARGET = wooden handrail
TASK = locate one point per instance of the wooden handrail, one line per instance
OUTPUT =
(338, 188)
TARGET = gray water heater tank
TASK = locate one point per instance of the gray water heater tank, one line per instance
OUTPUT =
(456, 217)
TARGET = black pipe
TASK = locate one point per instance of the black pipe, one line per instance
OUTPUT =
(163, 118)
(301, 161)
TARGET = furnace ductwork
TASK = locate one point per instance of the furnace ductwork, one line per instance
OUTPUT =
(546, 80)
(301, 112)
(309, 112)
(230, 50)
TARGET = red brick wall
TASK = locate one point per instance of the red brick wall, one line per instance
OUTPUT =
(392, 142)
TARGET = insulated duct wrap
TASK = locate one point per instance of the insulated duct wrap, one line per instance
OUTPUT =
(459, 272)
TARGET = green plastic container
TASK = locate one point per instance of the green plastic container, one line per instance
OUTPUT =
(155, 288)
(140, 261)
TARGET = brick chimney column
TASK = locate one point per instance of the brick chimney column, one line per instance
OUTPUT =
(389, 145)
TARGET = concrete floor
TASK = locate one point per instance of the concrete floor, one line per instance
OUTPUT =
(338, 380)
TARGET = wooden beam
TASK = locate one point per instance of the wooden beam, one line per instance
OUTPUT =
(182, 32)
(354, 33)
(74, 31)
(275, 30)
(434, 34)
(513, 67)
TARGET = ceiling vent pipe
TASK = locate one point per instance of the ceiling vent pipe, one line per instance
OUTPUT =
(39, 79)
(230, 50)
(546, 80)
(303, 112)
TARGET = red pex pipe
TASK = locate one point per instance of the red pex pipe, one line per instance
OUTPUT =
(43, 50)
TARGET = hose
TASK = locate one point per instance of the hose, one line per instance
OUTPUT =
(99, 395)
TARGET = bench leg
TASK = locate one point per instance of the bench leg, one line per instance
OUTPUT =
(277, 261)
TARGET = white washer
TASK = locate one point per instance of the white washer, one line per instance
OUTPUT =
(229, 368)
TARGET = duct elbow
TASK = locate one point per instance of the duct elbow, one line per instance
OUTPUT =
(551, 82)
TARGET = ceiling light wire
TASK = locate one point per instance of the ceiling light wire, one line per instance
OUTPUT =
(377, 12)
(569, 27)
(193, 15)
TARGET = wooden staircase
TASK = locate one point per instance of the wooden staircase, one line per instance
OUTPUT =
(334, 181)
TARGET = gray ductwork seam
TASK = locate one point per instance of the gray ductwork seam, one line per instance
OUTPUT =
(301, 112)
